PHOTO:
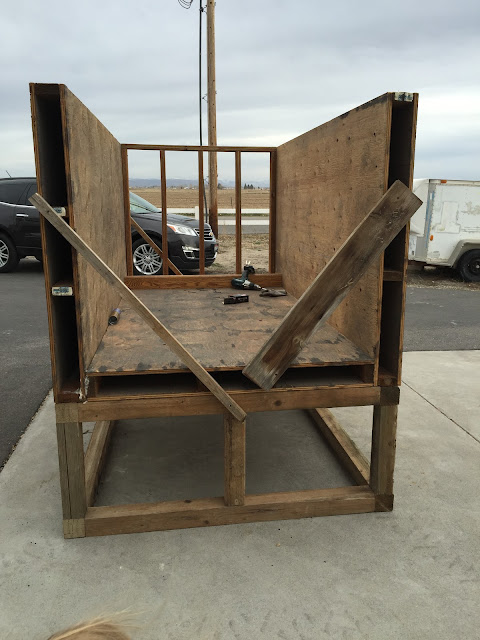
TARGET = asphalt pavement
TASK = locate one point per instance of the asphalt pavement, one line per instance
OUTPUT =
(25, 375)
(436, 320)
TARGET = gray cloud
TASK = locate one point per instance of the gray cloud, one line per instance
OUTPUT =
(282, 68)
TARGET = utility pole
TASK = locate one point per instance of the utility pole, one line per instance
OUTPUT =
(212, 116)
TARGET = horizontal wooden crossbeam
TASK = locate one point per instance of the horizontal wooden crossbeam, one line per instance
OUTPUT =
(206, 512)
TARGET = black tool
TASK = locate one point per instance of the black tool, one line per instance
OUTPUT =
(243, 282)
(236, 299)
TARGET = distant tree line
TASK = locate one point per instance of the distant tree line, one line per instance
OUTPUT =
(248, 186)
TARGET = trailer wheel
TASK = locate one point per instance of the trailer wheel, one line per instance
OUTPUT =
(469, 266)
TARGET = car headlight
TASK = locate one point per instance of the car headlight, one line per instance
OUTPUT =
(185, 231)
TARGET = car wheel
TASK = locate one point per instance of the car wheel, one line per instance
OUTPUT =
(8, 254)
(469, 266)
(146, 261)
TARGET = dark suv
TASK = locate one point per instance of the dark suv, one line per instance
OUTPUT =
(20, 232)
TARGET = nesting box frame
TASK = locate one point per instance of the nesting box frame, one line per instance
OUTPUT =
(322, 185)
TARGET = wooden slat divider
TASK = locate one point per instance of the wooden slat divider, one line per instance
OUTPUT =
(201, 215)
(126, 196)
(163, 178)
(272, 228)
(180, 147)
(234, 461)
(206, 281)
(238, 211)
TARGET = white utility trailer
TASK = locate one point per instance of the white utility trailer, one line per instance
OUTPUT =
(445, 231)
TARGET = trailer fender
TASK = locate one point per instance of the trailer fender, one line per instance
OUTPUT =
(462, 247)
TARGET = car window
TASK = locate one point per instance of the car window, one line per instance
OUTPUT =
(11, 191)
(29, 191)
(139, 205)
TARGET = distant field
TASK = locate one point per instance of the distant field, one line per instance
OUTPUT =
(176, 198)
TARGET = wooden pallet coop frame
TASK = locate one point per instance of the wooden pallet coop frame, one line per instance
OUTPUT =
(322, 186)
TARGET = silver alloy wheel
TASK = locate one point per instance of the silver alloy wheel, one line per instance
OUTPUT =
(4, 253)
(146, 260)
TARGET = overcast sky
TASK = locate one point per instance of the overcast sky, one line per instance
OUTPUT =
(282, 69)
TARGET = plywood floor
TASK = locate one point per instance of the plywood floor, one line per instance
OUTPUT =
(221, 337)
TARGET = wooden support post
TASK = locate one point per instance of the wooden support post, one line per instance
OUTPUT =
(235, 435)
(201, 215)
(154, 323)
(163, 186)
(126, 197)
(382, 464)
(95, 457)
(72, 478)
(238, 212)
(349, 455)
(342, 272)
(212, 116)
(154, 246)
(272, 227)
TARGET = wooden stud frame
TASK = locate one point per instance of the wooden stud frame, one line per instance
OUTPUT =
(372, 489)
(307, 173)
(237, 152)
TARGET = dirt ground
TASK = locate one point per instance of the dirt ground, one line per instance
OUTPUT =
(176, 198)
(439, 278)
(255, 249)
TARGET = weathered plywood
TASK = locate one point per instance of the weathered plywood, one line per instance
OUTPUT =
(220, 337)
(96, 208)
(327, 179)
(364, 245)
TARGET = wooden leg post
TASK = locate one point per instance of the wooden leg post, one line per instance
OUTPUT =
(72, 478)
(235, 434)
(383, 455)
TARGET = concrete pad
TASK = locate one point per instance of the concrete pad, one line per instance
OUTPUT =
(409, 574)
(450, 382)
(182, 458)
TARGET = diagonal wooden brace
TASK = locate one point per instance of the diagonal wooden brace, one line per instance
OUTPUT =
(154, 323)
(340, 274)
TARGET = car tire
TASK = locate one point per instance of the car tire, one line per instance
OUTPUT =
(469, 266)
(8, 254)
(146, 261)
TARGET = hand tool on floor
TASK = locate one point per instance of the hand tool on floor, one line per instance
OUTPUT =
(244, 283)
(236, 299)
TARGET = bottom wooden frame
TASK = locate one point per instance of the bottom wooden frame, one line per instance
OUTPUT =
(79, 475)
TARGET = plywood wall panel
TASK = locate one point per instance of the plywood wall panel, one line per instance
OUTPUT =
(327, 181)
(96, 205)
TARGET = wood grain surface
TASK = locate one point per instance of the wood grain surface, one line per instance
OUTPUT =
(96, 208)
(364, 245)
(221, 337)
(327, 179)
